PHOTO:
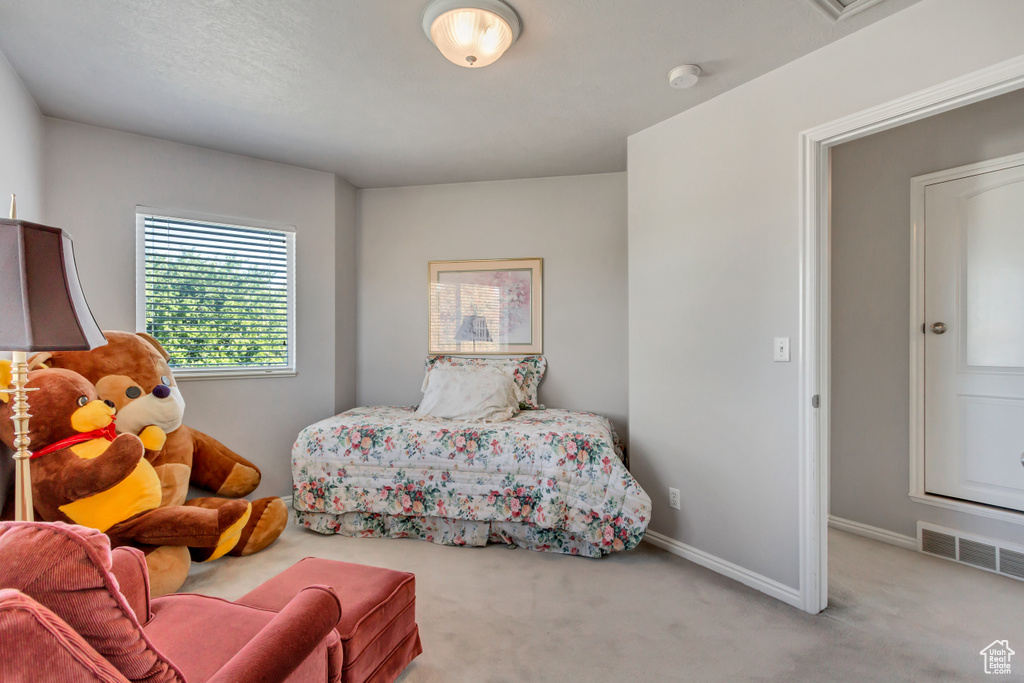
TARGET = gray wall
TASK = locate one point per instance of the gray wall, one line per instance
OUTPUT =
(21, 143)
(346, 282)
(714, 265)
(93, 180)
(577, 224)
(21, 173)
(871, 307)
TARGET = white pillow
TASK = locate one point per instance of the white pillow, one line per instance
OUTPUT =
(472, 394)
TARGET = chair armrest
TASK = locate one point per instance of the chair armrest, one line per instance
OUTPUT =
(284, 643)
(36, 644)
(128, 565)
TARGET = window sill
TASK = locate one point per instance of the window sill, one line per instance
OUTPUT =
(182, 375)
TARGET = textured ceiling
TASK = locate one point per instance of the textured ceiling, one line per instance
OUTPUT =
(355, 88)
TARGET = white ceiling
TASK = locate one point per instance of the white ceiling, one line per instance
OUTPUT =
(355, 88)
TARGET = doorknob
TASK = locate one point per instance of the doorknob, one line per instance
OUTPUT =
(939, 328)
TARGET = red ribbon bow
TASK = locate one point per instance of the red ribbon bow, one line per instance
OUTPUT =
(109, 433)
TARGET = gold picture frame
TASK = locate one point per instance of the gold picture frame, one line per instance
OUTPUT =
(486, 307)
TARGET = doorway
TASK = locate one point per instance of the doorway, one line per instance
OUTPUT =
(817, 291)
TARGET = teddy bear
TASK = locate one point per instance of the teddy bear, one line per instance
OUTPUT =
(84, 473)
(132, 372)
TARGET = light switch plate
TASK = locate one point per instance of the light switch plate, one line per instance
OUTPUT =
(782, 349)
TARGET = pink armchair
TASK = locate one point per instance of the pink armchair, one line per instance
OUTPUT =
(73, 610)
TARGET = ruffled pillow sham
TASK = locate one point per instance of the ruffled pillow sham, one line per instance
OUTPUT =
(471, 394)
(527, 372)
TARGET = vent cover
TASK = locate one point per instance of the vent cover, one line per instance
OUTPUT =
(936, 543)
(840, 9)
(1011, 563)
(979, 554)
(983, 553)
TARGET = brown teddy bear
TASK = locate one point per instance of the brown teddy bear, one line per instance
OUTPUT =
(84, 473)
(132, 372)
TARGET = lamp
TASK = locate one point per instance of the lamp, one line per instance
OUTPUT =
(473, 328)
(471, 33)
(42, 308)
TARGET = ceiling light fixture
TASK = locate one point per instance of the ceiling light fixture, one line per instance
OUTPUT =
(684, 76)
(471, 33)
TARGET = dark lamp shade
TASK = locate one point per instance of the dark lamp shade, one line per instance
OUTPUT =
(42, 306)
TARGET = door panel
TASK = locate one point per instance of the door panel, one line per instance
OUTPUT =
(994, 253)
(974, 372)
(991, 430)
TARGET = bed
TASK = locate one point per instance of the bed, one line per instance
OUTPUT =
(548, 480)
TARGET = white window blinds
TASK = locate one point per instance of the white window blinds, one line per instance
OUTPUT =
(218, 296)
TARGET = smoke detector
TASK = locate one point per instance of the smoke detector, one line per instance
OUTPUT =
(684, 76)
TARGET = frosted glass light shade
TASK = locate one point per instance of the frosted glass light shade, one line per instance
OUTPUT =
(471, 36)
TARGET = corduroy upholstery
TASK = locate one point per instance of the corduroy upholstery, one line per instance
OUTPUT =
(71, 570)
(34, 634)
(257, 640)
(128, 565)
(378, 628)
(66, 569)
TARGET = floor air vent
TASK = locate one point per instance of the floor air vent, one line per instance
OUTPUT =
(937, 543)
(979, 554)
(984, 553)
(1011, 563)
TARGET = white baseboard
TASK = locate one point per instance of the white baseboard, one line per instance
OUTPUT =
(872, 532)
(787, 594)
(287, 500)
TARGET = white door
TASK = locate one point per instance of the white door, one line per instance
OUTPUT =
(974, 337)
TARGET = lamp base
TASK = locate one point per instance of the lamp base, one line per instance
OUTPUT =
(22, 471)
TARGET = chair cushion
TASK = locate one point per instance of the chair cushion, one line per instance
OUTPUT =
(202, 633)
(378, 609)
(128, 565)
(34, 640)
(66, 569)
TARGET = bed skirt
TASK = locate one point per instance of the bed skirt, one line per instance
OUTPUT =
(447, 531)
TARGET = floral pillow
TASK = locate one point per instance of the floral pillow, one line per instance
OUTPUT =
(527, 371)
(470, 393)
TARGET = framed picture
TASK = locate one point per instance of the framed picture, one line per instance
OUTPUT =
(485, 307)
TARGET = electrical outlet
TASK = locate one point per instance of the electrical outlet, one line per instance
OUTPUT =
(673, 498)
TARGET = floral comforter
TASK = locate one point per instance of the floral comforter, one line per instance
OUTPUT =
(549, 480)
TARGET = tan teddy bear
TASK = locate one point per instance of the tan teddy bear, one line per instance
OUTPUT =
(132, 372)
(84, 473)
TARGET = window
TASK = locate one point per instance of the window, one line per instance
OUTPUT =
(219, 297)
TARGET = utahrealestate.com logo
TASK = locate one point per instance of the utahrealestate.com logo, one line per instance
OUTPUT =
(997, 657)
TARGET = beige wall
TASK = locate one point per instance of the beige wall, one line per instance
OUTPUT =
(93, 180)
(577, 224)
(21, 173)
(21, 143)
(346, 282)
(714, 275)
(871, 307)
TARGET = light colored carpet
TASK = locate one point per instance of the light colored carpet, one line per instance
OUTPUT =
(500, 614)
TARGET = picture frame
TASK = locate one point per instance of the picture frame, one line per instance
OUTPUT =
(485, 307)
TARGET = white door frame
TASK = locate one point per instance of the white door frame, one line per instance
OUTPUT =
(815, 284)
